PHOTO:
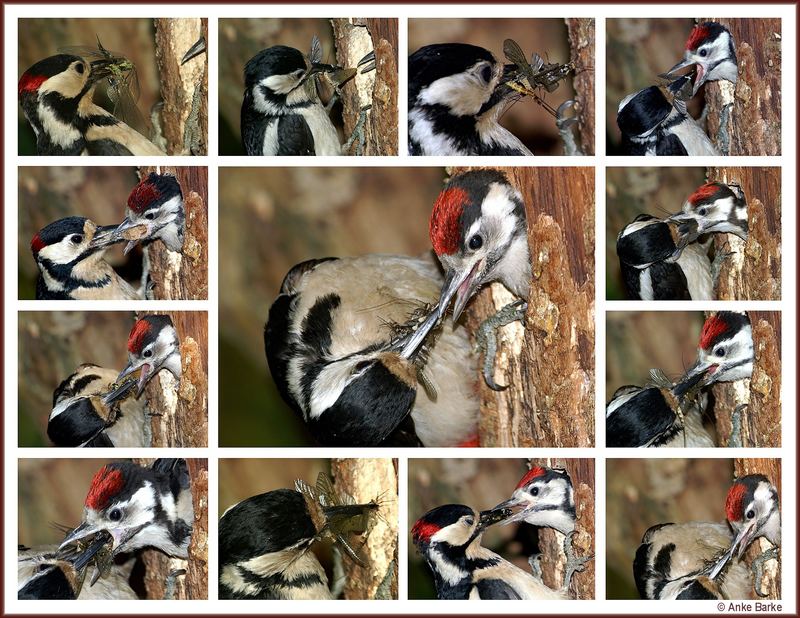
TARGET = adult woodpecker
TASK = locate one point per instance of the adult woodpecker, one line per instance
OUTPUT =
(478, 231)
(69, 254)
(348, 345)
(456, 96)
(265, 550)
(716, 207)
(710, 49)
(81, 418)
(660, 260)
(449, 538)
(56, 97)
(154, 212)
(725, 350)
(139, 507)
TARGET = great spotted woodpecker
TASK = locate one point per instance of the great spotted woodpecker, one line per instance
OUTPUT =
(725, 350)
(716, 207)
(348, 345)
(710, 49)
(56, 97)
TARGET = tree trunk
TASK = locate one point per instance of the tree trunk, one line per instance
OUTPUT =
(771, 468)
(581, 44)
(366, 480)
(753, 272)
(550, 364)
(355, 37)
(761, 419)
(159, 566)
(183, 275)
(184, 88)
(182, 410)
(581, 471)
(754, 125)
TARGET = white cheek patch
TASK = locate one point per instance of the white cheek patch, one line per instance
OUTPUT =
(280, 84)
(636, 226)
(62, 252)
(462, 94)
(329, 386)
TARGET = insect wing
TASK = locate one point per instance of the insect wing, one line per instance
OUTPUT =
(315, 55)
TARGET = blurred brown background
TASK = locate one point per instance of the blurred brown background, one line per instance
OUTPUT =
(547, 37)
(631, 191)
(272, 219)
(51, 346)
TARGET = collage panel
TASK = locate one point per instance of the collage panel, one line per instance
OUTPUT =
(113, 233)
(318, 86)
(467, 83)
(101, 529)
(693, 529)
(546, 555)
(361, 349)
(145, 385)
(308, 529)
(150, 98)
(714, 379)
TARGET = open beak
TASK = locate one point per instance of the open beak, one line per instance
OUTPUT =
(148, 371)
(493, 516)
(104, 236)
(699, 372)
(118, 538)
(513, 509)
(459, 285)
(737, 548)
(699, 79)
(123, 227)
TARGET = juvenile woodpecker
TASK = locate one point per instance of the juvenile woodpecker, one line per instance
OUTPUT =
(456, 96)
(56, 97)
(710, 49)
(478, 231)
(155, 211)
(265, 550)
(80, 418)
(655, 122)
(716, 207)
(69, 254)
(139, 507)
(449, 538)
(660, 260)
(348, 346)
(725, 350)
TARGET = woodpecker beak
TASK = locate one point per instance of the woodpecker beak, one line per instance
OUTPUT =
(492, 516)
(367, 63)
(119, 393)
(700, 372)
(148, 371)
(699, 79)
(195, 50)
(460, 285)
(123, 227)
(737, 547)
(104, 236)
(80, 558)
(118, 536)
(410, 344)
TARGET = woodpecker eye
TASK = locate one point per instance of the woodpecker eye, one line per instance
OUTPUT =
(534, 491)
(476, 242)
(115, 515)
(486, 73)
(469, 521)
(80, 68)
(702, 211)
(147, 353)
(719, 352)
(76, 239)
(750, 514)
(298, 73)
(704, 52)
(150, 216)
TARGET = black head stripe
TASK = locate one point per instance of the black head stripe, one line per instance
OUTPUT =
(433, 62)
(58, 230)
(276, 60)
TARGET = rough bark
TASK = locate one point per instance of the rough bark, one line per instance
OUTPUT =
(581, 43)
(753, 272)
(771, 468)
(761, 419)
(550, 364)
(182, 409)
(158, 566)
(366, 480)
(354, 38)
(754, 125)
(182, 85)
(581, 471)
(183, 275)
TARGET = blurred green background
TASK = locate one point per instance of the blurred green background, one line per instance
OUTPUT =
(547, 37)
(631, 191)
(272, 219)
(644, 492)
(132, 38)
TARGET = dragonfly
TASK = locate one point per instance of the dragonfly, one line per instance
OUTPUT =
(537, 72)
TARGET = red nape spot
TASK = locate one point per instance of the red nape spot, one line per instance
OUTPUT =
(703, 193)
(697, 37)
(29, 83)
(423, 530)
(37, 244)
(530, 475)
(105, 485)
(713, 328)
(444, 225)
(471, 442)
(137, 337)
(142, 196)
(734, 503)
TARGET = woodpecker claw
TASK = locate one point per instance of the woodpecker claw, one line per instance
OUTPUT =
(575, 564)
(486, 337)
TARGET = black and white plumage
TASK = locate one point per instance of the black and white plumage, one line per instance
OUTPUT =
(449, 538)
(281, 111)
(154, 212)
(69, 253)
(264, 550)
(543, 497)
(80, 418)
(659, 261)
(717, 208)
(337, 344)
(56, 97)
(139, 507)
(456, 96)
(725, 350)
(710, 48)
